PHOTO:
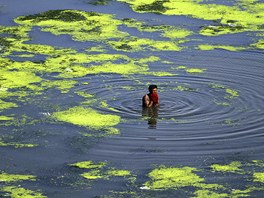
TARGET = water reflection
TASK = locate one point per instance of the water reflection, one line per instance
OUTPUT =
(151, 113)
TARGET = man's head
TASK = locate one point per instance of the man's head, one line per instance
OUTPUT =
(152, 88)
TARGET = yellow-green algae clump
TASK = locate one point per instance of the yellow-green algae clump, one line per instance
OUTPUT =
(83, 26)
(87, 117)
(233, 167)
(245, 16)
(170, 177)
(16, 145)
(15, 191)
(100, 170)
(5, 177)
(191, 70)
(19, 192)
(224, 47)
(91, 26)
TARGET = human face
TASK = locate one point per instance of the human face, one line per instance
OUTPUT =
(155, 90)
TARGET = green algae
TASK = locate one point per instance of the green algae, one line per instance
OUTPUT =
(16, 145)
(232, 19)
(225, 47)
(100, 170)
(164, 178)
(6, 105)
(183, 88)
(191, 70)
(134, 44)
(231, 93)
(258, 177)
(118, 173)
(74, 65)
(209, 194)
(259, 44)
(82, 26)
(87, 117)
(89, 164)
(93, 175)
(106, 106)
(18, 192)
(233, 167)
(63, 85)
(5, 118)
(5, 177)
(17, 79)
(84, 94)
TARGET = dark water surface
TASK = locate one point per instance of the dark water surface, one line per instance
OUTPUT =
(211, 115)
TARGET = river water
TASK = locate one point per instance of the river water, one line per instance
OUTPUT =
(82, 105)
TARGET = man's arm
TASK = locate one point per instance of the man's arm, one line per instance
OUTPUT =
(147, 101)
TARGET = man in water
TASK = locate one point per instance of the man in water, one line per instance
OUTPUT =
(152, 98)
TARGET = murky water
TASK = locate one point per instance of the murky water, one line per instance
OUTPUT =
(72, 76)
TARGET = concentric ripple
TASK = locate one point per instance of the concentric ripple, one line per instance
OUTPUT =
(222, 105)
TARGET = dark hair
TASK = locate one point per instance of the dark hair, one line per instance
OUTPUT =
(151, 87)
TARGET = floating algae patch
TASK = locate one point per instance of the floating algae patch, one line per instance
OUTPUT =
(100, 170)
(224, 47)
(5, 118)
(233, 167)
(191, 70)
(15, 42)
(16, 145)
(231, 93)
(78, 65)
(170, 177)
(89, 164)
(167, 31)
(259, 44)
(232, 18)
(87, 117)
(134, 44)
(19, 192)
(258, 177)
(6, 105)
(209, 194)
(82, 26)
(63, 85)
(17, 79)
(5, 177)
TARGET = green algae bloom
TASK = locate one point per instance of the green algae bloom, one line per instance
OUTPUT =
(191, 70)
(118, 173)
(5, 118)
(259, 44)
(183, 88)
(16, 145)
(63, 85)
(93, 175)
(87, 117)
(258, 177)
(18, 192)
(134, 44)
(233, 167)
(6, 105)
(165, 178)
(17, 79)
(82, 26)
(232, 19)
(231, 93)
(225, 47)
(89, 164)
(209, 194)
(5, 177)
(100, 170)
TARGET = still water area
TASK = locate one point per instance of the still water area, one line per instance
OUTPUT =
(72, 77)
